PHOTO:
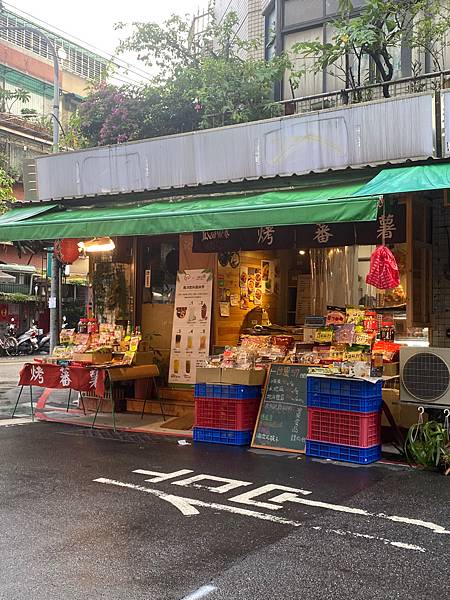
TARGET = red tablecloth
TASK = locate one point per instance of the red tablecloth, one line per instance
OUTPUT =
(80, 379)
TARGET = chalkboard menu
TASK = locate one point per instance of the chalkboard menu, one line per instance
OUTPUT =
(283, 420)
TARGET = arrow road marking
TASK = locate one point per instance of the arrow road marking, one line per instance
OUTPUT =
(187, 507)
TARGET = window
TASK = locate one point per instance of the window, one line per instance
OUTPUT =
(162, 260)
(302, 11)
(270, 33)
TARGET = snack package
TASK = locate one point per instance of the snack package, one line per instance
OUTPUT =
(389, 350)
(355, 314)
(345, 334)
(335, 315)
(324, 336)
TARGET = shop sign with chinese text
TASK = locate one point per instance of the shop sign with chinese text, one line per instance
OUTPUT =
(191, 324)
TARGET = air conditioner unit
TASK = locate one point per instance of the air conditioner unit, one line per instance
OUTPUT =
(425, 376)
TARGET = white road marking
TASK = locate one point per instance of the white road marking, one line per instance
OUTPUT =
(248, 497)
(187, 507)
(201, 592)
(229, 484)
(288, 497)
(158, 477)
(184, 506)
(366, 536)
(192, 502)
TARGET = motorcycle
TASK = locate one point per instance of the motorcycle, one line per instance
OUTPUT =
(28, 343)
(44, 343)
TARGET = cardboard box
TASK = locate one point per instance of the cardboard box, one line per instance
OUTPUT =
(144, 358)
(94, 358)
(390, 369)
(208, 375)
(244, 376)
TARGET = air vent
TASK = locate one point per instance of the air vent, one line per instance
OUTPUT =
(425, 376)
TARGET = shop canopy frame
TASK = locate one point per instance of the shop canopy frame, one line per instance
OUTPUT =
(321, 204)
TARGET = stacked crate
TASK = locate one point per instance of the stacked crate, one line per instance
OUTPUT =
(225, 414)
(344, 419)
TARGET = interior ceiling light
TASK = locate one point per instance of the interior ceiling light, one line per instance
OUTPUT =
(101, 244)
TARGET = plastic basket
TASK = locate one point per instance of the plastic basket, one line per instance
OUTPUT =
(360, 456)
(222, 390)
(344, 394)
(342, 427)
(222, 436)
(220, 413)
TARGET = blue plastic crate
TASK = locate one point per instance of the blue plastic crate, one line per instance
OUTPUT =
(222, 436)
(344, 394)
(223, 391)
(360, 456)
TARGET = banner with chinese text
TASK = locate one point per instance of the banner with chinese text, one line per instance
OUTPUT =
(80, 379)
(191, 324)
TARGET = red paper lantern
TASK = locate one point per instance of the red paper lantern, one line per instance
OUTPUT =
(66, 250)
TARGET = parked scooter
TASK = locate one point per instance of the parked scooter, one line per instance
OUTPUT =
(44, 343)
(28, 343)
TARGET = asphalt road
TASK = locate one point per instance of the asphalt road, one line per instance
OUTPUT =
(79, 523)
(9, 376)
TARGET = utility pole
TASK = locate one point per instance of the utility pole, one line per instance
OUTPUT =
(55, 275)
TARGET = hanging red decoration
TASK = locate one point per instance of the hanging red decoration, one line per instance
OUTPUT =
(66, 251)
(383, 273)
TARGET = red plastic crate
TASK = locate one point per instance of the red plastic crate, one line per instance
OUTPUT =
(223, 413)
(361, 430)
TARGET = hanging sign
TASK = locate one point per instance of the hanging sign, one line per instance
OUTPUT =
(191, 324)
(258, 238)
(283, 419)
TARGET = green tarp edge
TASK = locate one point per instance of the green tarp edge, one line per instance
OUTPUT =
(310, 206)
(402, 180)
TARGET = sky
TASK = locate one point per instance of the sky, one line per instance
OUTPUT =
(92, 21)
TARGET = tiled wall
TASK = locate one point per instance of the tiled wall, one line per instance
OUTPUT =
(251, 21)
(441, 274)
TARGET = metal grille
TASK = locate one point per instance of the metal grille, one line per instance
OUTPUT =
(116, 436)
(426, 377)
(81, 62)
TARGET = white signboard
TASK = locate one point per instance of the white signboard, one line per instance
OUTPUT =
(191, 324)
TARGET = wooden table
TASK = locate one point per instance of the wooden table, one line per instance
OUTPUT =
(115, 374)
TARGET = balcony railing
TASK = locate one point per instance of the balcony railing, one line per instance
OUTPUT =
(15, 288)
(430, 82)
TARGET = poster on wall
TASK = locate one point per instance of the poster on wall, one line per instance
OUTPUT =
(191, 324)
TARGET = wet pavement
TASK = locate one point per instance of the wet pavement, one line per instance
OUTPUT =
(78, 522)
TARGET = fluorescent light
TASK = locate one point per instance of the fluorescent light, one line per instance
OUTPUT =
(103, 244)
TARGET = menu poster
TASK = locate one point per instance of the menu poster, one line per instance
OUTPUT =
(191, 324)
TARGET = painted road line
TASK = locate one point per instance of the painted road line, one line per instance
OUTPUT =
(289, 497)
(183, 503)
(366, 536)
(231, 509)
(205, 590)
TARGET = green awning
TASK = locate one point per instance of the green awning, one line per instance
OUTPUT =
(328, 204)
(15, 215)
(408, 179)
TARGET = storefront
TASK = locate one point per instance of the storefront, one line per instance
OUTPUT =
(277, 261)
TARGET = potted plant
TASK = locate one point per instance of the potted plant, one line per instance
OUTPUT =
(428, 445)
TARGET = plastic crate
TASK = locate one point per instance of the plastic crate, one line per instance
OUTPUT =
(221, 413)
(360, 456)
(342, 427)
(344, 394)
(222, 436)
(222, 390)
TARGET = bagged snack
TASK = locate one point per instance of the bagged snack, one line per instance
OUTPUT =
(354, 314)
(335, 315)
(345, 334)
